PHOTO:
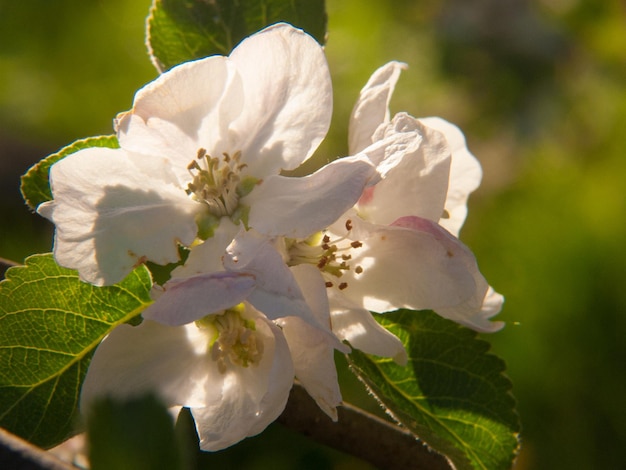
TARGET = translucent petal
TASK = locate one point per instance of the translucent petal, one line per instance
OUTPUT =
(415, 264)
(357, 326)
(312, 353)
(207, 257)
(465, 174)
(415, 168)
(372, 106)
(288, 99)
(185, 300)
(151, 358)
(276, 292)
(187, 97)
(252, 397)
(111, 216)
(478, 319)
(298, 207)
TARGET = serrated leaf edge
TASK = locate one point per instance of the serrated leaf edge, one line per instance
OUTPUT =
(87, 350)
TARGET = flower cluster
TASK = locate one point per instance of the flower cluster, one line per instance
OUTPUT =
(281, 271)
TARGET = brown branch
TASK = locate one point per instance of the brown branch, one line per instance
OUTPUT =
(4, 265)
(360, 434)
(17, 454)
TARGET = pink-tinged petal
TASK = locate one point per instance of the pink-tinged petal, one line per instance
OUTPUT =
(150, 358)
(478, 319)
(356, 325)
(207, 257)
(111, 216)
(251, 397)
(415, 264)
(298, 207)
(465, 174)
(288, 99)
(185, 300)
(415, 169)
(312, 353)
(276, 292)
(372, 106)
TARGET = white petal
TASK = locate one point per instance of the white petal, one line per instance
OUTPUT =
(356, 325)
(110, 215)
(415, 171)
(158, 142)
(276, 292)
(252, 397)
(187, 97)
(315, 292)
(372, 106)
(298, 207)
(288, 99)
(312, 353)
(185, 300)
(465, 174)
(479, 319)
(207, 257)
(418, 265)
(150, 358)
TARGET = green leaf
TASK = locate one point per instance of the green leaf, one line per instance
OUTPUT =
(50, 324)
(452, 394)
(183, 30)
(35, 184)
(135, 435)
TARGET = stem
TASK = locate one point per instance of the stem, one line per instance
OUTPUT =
(360, 434)
(16, 453)
(4, 265)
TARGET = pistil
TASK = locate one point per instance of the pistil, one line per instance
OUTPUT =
(236, 343)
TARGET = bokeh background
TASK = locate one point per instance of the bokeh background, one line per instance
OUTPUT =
(539, 87)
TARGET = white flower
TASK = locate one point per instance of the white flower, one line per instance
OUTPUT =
(408, 222)
(455, 172)
(397, 247)
(204, 142)
(233, 370)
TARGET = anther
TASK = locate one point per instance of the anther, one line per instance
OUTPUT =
(348, 225)
(356, 244)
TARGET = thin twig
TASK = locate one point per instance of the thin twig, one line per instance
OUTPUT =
(17, 454)
(360, 434)
(4, 265)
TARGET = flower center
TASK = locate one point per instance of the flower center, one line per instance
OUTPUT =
(237, 343)
(331, 256)
(217, 182)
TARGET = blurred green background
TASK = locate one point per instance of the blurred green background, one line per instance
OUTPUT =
(539, 88)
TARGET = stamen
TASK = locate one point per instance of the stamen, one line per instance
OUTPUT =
(216, 182)
(331, 256)
(237, 343)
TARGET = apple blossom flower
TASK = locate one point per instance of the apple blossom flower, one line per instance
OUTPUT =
(233, 369)
(204, 142)
(397, 247)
